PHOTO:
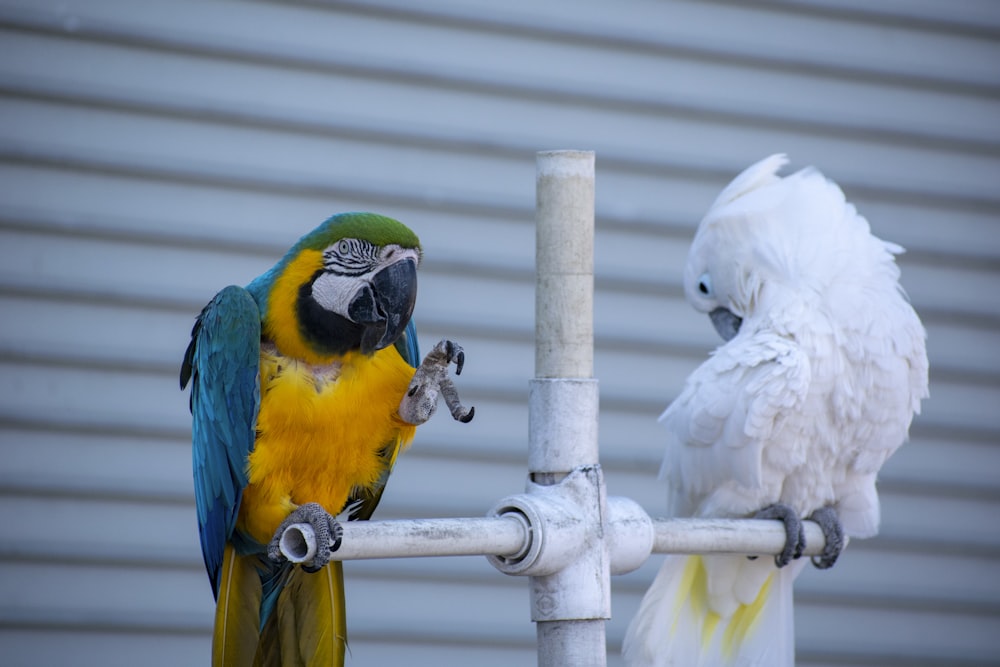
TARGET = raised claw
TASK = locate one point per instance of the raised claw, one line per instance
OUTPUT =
(452, 353)
(430, 381)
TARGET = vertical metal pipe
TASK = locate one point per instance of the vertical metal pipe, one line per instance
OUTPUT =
(563, 415)
(570, 606)
(564, 261)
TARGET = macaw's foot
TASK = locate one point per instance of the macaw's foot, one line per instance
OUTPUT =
(833, 534)
(308, 536)
(795, 538)
(430, 381)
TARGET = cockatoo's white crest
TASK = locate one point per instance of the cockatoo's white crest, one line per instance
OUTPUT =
(753, 177)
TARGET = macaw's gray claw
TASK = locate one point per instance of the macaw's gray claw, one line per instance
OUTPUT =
(833, 535)
(450, 394)
(795, 537)
(431, 380)
(326, 529)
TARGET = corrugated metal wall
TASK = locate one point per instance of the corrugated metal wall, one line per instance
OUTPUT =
(153, 152)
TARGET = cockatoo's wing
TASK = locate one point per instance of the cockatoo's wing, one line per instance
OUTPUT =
(729, 450)
(731, 407)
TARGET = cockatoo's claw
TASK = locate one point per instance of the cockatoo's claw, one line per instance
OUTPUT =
(327, 530)
(833, 534)
(795, 538)
(431, 381)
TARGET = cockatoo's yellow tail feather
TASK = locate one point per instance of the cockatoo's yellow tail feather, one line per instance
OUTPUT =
(693, 590)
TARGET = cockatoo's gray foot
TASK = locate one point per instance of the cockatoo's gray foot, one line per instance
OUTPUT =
(795, 538)
(327, 530)
(833, 534)
(430, 381)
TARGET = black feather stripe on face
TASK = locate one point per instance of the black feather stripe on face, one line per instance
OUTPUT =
(351, 257)
(326, 331)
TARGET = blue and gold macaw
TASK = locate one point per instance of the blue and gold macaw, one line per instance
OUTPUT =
(304, 389)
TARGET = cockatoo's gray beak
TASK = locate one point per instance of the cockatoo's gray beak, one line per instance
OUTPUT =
(725, 322)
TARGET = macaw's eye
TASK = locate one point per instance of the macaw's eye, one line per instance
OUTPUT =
(705, 284)
(352, 257)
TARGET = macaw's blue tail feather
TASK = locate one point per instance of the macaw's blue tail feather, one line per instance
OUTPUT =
(271, 615)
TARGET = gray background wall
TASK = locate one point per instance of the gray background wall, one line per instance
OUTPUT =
(154, 152)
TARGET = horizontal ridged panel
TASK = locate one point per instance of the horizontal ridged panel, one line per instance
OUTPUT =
(152, 154)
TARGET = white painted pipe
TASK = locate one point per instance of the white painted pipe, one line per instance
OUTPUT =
(571, 594)
(563, 397)
(410, 538)
(562, 425)
(734, 536)
(513, 534)
(298, 543)
(556, 533)
(629, 535)
(564, 264)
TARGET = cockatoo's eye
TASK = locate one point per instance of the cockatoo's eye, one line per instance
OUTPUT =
(705, 284)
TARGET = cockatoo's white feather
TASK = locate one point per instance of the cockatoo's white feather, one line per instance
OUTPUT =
(801, 407)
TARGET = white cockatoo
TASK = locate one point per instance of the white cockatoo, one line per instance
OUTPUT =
(822, 371)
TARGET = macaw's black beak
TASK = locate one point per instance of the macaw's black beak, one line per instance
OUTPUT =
(384, 306)
(726, 322)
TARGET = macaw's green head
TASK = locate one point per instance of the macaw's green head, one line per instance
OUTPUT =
(348, 285)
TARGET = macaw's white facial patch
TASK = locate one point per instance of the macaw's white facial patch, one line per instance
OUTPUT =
(334, 292)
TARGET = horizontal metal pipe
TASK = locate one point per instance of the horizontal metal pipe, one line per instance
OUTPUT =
(409, 538)
(736, 536)
(508, 536)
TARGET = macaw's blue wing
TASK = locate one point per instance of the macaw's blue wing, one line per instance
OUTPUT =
(363, 501)
(222, 363)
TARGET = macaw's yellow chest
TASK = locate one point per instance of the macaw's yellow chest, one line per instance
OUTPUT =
(320, 430)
